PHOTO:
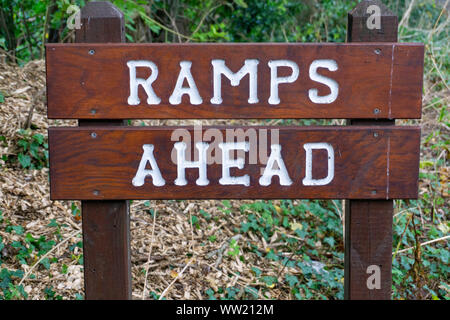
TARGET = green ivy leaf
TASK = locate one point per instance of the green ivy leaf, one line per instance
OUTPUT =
(39, 138)
(269, 281)
(291, 280)
(18, 230)
(24, 160)
(46, 263)
(256, 271)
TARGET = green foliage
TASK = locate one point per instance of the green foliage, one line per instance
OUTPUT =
(10, 291)
(50, 294)
(195, 222)
(28, 250)
(419, 273)
(287, 21)
(234, 248)
(33, 150)
(316, 249)
(30, 24)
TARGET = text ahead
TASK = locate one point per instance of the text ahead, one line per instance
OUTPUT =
(93, 163)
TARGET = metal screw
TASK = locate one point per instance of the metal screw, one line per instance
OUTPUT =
(91, 52)
(377, 51)
(374, 192)
(96, 192)
(93, 135)
(375, 134)
(93, 111)
(376, 111)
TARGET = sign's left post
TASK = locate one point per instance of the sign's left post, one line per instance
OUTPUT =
(106, 224)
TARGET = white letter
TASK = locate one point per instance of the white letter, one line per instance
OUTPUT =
(374, 21)
(333, 85)
(152, 98)
(275, 80)
(147, 156)
(249, 135)
(374, 281)
(228, 163)
(182, 164)
(308, 180)
(214, 146)
(250, 67)
(269, 172)
(192, 91)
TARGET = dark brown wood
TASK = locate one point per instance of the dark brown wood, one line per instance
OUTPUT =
(368, 224)
(106, 238)
(358, 30)
(100, 163)
(101, 22)
(368, 242)
(106, 224)
(379, 80)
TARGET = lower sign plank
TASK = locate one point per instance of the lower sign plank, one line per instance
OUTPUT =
(94, 163)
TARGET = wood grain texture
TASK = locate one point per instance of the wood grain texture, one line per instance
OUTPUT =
(106, 224)
(368, 223)
(106, 250)
(376, 80)
(93, 163)
(368, 241)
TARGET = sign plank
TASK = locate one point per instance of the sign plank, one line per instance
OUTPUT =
(98, 163)
(222, 81)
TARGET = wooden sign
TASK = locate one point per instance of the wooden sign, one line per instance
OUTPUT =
(234, 163)
(371, 161)
(291, 80)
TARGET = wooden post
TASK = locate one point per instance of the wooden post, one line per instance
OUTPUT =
(106, 224)
(368, 223)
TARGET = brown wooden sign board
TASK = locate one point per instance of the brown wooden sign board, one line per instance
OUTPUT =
(245, 80)
(98, 163)
(372, 161)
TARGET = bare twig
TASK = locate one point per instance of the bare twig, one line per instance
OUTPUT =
(424, 244)
(32, 106)
(177, 277)
(149, 254)
(407, 14)
(47, 254)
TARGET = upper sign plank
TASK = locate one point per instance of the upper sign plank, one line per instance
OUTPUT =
(222, 81)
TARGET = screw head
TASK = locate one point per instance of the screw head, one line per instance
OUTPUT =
(374, 192)
(93, 111)
(93, 135)
(91, 52)
(375, 134)
(376, 111)
(377, 51)
(96, 192)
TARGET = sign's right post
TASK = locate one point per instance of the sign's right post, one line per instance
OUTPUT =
(368, 223)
